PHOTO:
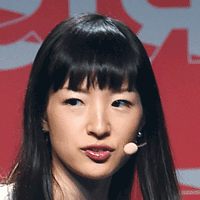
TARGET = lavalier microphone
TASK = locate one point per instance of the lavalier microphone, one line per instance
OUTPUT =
(132, 148)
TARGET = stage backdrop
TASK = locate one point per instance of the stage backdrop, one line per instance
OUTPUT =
(170, 31)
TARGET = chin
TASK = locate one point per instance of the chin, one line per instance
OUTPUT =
(95, 170)
(97, 173)
(97, 176)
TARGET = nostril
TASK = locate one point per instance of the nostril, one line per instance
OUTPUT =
(98, 128)
(99, 135)
(90, 133)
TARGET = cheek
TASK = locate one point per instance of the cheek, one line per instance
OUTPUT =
(127, 127)
(58, 130)
(61, 120)
(65, 129)
(65, 140)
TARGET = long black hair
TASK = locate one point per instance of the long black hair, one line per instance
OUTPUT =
(105, 51)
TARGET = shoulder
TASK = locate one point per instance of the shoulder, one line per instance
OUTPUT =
(6, 191)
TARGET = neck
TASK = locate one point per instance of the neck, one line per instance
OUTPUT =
(68, 185)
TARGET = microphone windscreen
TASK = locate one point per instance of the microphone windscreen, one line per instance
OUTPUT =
(130, 148)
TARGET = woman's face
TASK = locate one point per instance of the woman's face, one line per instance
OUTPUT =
(89, 128)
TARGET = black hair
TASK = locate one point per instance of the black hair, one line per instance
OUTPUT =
(106, 52)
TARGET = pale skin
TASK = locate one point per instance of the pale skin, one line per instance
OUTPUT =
(76, 119)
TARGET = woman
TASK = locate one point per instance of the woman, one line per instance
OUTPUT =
(91, 98)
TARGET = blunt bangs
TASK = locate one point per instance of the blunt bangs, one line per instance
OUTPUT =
(100, 54)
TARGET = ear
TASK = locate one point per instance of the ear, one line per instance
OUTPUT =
(45, 124)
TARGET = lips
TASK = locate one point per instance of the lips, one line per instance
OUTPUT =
(98, 153)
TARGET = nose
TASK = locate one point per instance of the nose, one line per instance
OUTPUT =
(98, 123)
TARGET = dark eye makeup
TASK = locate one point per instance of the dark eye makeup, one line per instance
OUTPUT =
(73, 102)
(118, 103)
(121, 103)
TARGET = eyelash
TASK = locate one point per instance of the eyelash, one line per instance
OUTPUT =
(117, 103)
(73, 101)
(123, 102)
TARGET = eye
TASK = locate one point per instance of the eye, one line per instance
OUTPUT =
(73, 102)
(121, 103)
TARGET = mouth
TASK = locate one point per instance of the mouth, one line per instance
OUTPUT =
(98, 153)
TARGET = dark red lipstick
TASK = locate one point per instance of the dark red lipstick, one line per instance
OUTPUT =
(98, 153)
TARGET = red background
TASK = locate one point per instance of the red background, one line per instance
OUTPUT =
(178, 78)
